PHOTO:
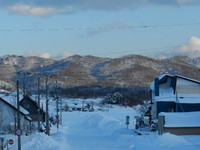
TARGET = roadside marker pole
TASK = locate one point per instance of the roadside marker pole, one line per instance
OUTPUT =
(39, 104)
(18, 116)
(47, 108)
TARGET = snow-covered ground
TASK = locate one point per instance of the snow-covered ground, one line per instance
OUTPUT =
(102, 130)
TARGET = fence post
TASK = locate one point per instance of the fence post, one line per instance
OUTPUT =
(161, 122)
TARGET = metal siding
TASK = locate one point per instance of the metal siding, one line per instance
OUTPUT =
(187, 87)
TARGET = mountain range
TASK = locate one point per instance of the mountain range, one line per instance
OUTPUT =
(132, 71)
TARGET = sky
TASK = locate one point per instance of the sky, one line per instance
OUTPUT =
(103, 28)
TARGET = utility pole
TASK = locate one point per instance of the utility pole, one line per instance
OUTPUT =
(61, 112)
(18, 116)
(57, 98)
(47, 108)
(24, 84)
(38, 104)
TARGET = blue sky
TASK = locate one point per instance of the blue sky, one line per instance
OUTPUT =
(106, 28)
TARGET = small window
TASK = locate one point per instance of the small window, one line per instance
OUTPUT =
(28, 106)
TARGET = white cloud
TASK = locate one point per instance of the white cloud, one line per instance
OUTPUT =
(62, 55)
(39, 54)
(191, 48)
(35, 11)
(50, 7)
(182, 2)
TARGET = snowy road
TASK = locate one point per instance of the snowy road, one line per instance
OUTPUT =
(95, 130)
(104, 131)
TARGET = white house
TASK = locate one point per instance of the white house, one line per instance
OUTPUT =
(176, 104)
(8, 118)
(174, 93)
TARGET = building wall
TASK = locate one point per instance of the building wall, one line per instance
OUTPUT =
(154, 111)
(187, 87)
(188, 107)
(166, 107)
(166, 84)
(8, 119)
(7, 114)
(183, 130)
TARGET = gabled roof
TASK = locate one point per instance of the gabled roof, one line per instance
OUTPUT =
(22, 110)
(30, 99)
(189, 79)
(168, 93)
(163, 78)
(26, 97)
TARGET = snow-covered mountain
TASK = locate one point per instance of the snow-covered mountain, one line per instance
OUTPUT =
(128, 71)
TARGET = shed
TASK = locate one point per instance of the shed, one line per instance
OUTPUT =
(179, 123)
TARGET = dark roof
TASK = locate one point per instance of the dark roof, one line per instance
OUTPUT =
(31, 100)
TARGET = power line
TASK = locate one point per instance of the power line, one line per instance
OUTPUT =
(100, 28)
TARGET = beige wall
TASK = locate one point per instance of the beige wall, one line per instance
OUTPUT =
(187, 87)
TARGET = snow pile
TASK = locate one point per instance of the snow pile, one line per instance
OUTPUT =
(37, 142)
(171, 140)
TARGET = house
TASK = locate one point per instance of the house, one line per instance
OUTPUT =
(32, 107)
(8, 118)
(174, 93)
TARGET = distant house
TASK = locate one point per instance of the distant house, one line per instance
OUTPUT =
(8, 118)
(32, 107)
(174, 93)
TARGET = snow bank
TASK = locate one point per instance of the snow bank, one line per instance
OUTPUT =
(171, 140)
(37, 142)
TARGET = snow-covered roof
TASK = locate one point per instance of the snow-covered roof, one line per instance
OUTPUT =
(163, 75)
(178, 76)
(12, 100)
(159, 77)
(182, 119)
